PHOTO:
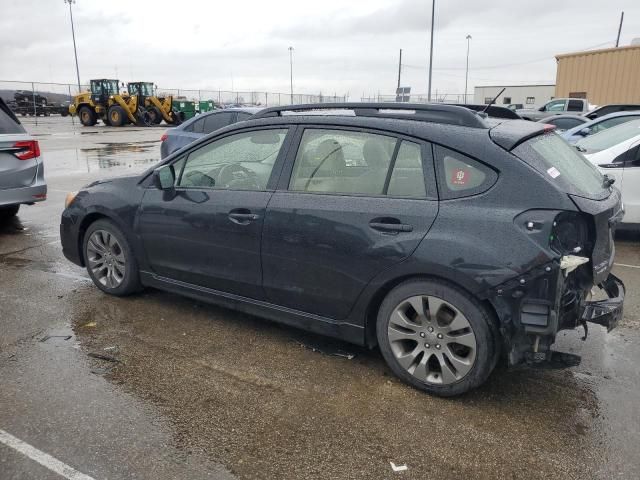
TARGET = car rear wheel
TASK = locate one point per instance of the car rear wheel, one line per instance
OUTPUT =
(436, 337)
(110, 260)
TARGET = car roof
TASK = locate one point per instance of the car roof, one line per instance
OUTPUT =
(186, 123)
(564, 115)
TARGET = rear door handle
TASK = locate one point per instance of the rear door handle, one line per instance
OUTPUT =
(242, 216)
(391, 227)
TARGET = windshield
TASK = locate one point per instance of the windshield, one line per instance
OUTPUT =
(563, 165)
(144, 89)
(609, 137)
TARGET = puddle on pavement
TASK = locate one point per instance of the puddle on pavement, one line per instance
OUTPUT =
(109, 156)
(253, 396)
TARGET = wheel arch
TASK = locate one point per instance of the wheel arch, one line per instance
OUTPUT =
(93, 217)
(371, 313)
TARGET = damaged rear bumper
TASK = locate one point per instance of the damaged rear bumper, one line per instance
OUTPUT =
(607, 312)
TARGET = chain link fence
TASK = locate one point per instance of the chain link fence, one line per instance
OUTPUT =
(40, 98)
(437, 97)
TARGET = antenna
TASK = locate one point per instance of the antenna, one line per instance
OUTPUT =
(493, 101)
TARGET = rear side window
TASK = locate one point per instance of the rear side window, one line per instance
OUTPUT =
(575, 106)
(338, 161)
(8, 122)
(563, 165)
(460, 175)
(216, 121)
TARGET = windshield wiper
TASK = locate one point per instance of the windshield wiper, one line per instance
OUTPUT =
(580, 149)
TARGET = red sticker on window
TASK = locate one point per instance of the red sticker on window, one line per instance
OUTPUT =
(459, 177)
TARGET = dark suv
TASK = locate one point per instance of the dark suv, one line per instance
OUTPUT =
(446, 239)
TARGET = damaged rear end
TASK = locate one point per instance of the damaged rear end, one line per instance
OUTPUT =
(576, 287)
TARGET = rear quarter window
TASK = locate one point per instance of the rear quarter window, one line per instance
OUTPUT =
(460, 175)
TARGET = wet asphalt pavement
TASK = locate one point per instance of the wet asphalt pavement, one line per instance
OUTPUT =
(187, 390)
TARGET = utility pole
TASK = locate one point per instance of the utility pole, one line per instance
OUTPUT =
(399, 68)
(73, 34)
(433, 21)
(291, 71)
(466, 76)
(619, 29)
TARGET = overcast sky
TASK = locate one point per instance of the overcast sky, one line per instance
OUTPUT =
(340, 46)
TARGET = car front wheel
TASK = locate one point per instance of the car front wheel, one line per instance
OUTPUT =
(436, 337)
(110, 260)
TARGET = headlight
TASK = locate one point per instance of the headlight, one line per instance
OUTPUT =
(69, 198)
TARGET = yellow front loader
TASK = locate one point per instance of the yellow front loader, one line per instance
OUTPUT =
(158, 108)
(105, 102)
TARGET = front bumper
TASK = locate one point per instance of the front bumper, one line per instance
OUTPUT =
(607, 312)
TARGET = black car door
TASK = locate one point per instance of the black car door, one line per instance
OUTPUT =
(208, 232)
(349, 205)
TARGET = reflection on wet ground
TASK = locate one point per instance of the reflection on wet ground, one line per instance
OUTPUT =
(104, 156)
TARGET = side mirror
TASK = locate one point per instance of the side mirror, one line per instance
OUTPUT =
(164, 178)
(585, 132)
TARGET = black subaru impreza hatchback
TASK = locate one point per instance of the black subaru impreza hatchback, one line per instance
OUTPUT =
(446, 238)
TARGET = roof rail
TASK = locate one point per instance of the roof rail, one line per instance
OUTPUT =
(430, 112)
(494, 111)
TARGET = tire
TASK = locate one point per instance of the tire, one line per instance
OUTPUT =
(177, 117)
(88, 117)
(105, 120)
(155, 116)
(420, 349)
(9, 211)
(109, 259)
(116, 116)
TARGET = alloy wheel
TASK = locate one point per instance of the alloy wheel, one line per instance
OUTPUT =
(106, 258)
(432, 340)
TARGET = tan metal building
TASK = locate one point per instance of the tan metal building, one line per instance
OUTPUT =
(610, 75)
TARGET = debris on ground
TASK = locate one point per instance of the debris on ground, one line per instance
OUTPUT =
(329, 350)
(102, 356)
(398, 468)
(89, 325)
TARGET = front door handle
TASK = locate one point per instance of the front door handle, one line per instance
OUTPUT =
(242, 216)
(390, 225)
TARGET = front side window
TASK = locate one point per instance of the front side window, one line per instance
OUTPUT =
(338, 161)
(609, 137)
(243, 161)
(611, 122)
(555, 106)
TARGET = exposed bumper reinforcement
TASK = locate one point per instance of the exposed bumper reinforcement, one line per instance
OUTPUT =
(607, 312)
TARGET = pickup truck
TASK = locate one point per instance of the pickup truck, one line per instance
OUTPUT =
(556, 106)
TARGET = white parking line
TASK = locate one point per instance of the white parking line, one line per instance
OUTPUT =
(625, 265)
(42, 458)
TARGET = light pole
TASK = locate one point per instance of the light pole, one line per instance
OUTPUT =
(466, 76)
(433, 21)
(73, 34)
(291, 71)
